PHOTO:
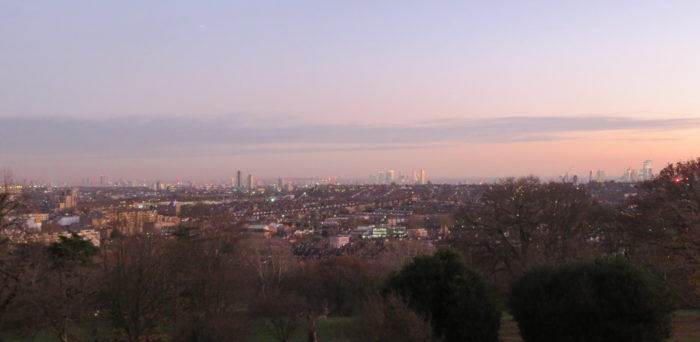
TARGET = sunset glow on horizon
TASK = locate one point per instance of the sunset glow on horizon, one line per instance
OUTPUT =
(294, 89)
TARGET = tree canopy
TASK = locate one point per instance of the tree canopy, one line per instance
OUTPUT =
(454, 297)
(606, 300)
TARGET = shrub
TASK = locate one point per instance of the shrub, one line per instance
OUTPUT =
(607, 300)
(454, 297)
(390, 319)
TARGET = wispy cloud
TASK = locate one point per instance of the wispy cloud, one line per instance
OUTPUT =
(132, 136)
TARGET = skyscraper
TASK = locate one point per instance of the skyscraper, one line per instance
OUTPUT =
(647, 171)
(251, 183)
(422, 176)
(238, 179)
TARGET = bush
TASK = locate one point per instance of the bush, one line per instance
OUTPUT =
(454, 297)
(389, 319)
(607, 300)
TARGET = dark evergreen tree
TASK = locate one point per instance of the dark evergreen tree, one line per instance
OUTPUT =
(607, 300)
(455, 298)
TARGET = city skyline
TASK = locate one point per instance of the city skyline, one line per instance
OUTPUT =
(391, 176)
(165, 89)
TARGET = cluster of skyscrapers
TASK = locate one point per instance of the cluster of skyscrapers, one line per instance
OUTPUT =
(237, 182)
(390, 176)
(639, 175)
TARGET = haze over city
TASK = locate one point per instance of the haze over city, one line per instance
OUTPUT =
(297, 89)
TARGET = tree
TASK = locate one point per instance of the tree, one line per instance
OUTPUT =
(211, 288)
(518, 223)
(342, 283)
(271, 260)
(390, 319)
(606, 300)
(137, 289)
(661, 227)
(62, 293)
(11, 267)
(281, 312)
(454, 297)
(336, 285)
(277, 303)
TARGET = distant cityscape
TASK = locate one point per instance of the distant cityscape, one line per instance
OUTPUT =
(243, 180)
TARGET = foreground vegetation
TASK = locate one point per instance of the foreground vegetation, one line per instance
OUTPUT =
(686, 328)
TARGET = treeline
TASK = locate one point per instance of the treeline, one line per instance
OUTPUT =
(518, 224)
(212, 287)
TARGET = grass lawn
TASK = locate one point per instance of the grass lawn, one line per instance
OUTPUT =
(686, 326)
(331, 329)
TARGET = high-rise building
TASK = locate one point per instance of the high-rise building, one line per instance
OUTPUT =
(68, 199)
(74, 196)
(600, 175)
(647, 170)
(251, 182)
(238, 179)
(390, 176)
(422, 176)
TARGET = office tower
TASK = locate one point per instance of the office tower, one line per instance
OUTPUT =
(74, 196)
(238, 179)
(102, 179)
(390, 176)
(600, 175)
(590, 176)
(647, 171)
(251, 183)
(422, 176)
(415, 176)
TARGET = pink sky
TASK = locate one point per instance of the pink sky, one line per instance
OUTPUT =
(150, 90)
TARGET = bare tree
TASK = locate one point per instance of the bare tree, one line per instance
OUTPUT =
(137, 291)
(62, 291)
(390, 319)
(211, 285)
(271, 260)
(660, 227)
(12, 221)
(518, 223)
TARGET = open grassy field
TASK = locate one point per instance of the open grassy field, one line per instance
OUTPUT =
(686, 329)
(686, 325)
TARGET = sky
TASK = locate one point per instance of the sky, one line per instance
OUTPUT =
(160, 89)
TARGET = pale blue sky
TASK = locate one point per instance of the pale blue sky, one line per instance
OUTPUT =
(370, 66)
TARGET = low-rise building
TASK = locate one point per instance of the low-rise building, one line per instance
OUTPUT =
(339, 241)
